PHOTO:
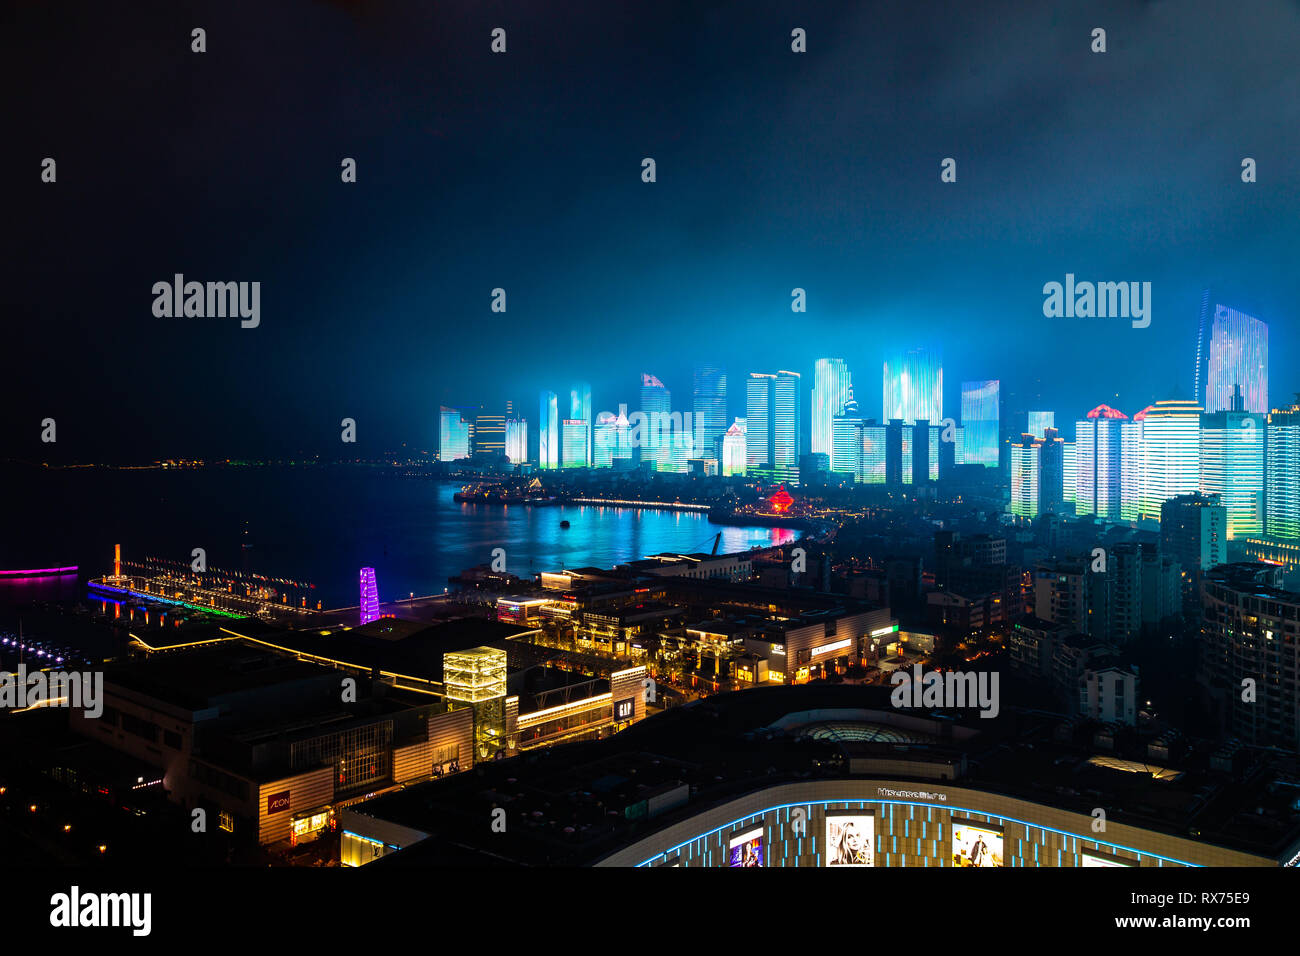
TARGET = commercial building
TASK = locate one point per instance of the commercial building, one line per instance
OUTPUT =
(831, 390)
(548, 432)
(1232, 466)
(980, 415)
(454, 435)
(913, 386)
(1282, 475)
(1231, 354)
(1194, 533)
(1097, 457)
(710, 407)
(772, 426)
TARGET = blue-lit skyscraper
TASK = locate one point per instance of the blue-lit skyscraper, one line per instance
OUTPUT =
(710, 411)
(1232, 466)
(548, 432)
(453, 435)
(655, 431)
(1282, 474)
(1039, 422)
(980, 413)
(1232, 350)
(369, 596)
(772, 424)
(1097, 457)
(913, 386)
(580, 410)
(831, 389)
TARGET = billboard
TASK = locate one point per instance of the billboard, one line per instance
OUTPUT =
(277, 802)
(747, 849)
(851, 839)
(624, 709)
(1091, 859)
(975, 844)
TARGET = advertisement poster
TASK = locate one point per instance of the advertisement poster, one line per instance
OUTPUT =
(850, 839)
(975, 844)
(747, 849)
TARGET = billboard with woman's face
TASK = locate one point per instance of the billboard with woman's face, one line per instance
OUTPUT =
(850, 839)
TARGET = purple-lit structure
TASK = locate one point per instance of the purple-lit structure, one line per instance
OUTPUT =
(369, 596)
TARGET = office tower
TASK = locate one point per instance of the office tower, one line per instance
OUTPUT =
(831, 390)
(453, 435)
(913, 386)
(1171, 453)
(1232, 465)
(369, 596)
(1247, 623)
(1282, 474)
(489, 434)
(872, 465)
(1068, 472)
(656, 430)
(1194, 533)
(548, 432)
(772, 425)
(1097, 463)
(574, 438)
(1231, 351)
(846, 438)
(1039, 422)
(710, 421)
(734, 454)
(580, 410)
(924, 452)
(1025, 476)
(517, 440)
(1051, 472)
(980, 414)
(898, 449)
(605, 439)
(1131, 470)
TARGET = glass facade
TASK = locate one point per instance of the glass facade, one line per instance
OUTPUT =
(913, 386)
(453, 435)
(831, 390)
(980, 403)
(548, 431)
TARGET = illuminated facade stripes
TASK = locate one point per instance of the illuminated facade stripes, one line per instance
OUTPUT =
(846, 446)
(980, 413)
(1024, 477)
(772, 425)
(1067, 472)
(1235, 354)
(369, 596)
(710, 408)
(1232, 467)
(1097, 463)
(759, 399)
(613, 442)
(489, 434)
(575, 443)
(580, 410)
(913, 386)
(734, 457)
(831, 391)
(1132, 461)
(656, 405)
(1051, 472)
(1040, 421)
(453, 435)
(517, 440)
(785, 426)
(548, 432)
(1282, 475)
(1171, 453)
(872, 468)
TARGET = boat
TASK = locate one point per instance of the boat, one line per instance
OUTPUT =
(564, 524)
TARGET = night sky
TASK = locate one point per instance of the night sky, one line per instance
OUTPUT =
(523, 171)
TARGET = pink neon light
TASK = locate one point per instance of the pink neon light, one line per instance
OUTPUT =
(33, 572)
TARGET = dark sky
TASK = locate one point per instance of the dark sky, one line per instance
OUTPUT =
(522, 170)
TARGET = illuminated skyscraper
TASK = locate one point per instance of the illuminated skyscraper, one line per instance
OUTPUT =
(548, 432)
(734, 452)
(1171, 453)
(580, 410)
(1097, 463)
(453, 435)
(1282, 474)
(759, 399)
(710, 410)
(574, 435)
(1232, 466)
(772, 425)
(369, 596)
(489, 434)
(831, 389)
(1025, 476)
(517, 440)
(1067, 473)
(1039, 422)
(1132, 486)
(785, 423)
(846, 438)
(873, 465)
(656, 405)
(1232, 350)
(980, 404)
(913, 386)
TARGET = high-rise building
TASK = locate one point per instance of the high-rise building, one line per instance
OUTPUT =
(489, 434)
(1051, 472)
(611, 435)
(772, 425)
(1171, 453)
(369, 596)
(580, 410)
(1132, 486)
(872, 468)
(1232, 466)
(1097, 463)
(831, 390)
(574, 437)
(1231, 352)
(734, 454)
(846, 439)
(453, 435)
(980, 414)
(1247, 634)
(656, 431)
(1068, 472)
(1039, 422)
(1282, 474)
(1194, 533)
(913, 386)
(548, 432)
(710, 408)
(517, 440)
(1025, 476)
